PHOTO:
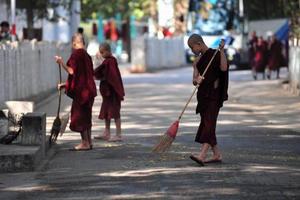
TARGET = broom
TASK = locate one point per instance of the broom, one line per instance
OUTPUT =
(56, 126)
(167, 139)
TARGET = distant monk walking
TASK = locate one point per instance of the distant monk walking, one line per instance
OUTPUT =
(275, 57)
(251, 48)
(260, 58)
(80, 86)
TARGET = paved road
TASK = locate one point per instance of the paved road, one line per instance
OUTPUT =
(258, 132)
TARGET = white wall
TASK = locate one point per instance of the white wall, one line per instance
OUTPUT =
(3, 11)
(153, 53)
(28, 70)
(164, 53)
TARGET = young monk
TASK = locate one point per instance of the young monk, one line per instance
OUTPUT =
(211, 94)
(112, 91)
(275, 59)
(80, 86)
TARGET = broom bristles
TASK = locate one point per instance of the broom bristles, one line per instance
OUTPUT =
(164, 143)
(55, 130)
(64, 123)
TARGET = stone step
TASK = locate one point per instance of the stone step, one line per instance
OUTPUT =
(17, 158)
(30, 147)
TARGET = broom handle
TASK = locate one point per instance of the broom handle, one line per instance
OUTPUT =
(197, 86)
(59, 91)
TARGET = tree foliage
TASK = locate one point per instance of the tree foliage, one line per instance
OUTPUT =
(37, 9)
(270, 9)
(107, 9)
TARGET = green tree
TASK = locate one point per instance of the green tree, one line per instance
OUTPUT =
(292, 9)
(270, 9)
(140, 8)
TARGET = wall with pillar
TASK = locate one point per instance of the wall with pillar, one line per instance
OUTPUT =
(28, 69)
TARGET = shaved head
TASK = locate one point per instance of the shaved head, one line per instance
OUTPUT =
(105, 46)
(78, 38)
(195, 39)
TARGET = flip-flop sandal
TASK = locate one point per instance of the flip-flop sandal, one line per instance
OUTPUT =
(213, 161)
(115, 139)
(194, 158)
(79, 149)
(101, 137)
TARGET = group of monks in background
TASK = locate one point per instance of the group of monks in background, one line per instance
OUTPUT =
(265, 56)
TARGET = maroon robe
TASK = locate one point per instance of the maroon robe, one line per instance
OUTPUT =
(260, 57)
(210, 97)
(82, 89)
(251, 52)
(111, 88)
(275, 56)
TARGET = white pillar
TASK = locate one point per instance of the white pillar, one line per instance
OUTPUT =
(166, 13)
(75, 16)
(13, 18)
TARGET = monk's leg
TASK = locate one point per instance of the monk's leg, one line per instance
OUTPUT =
(254, 73)
(269, 71)
(118, 136)
(278, 72)
(206, 134)
(118, 127)
(216, 153)
(89, 133)
(107, 128)
(106, 133)
(84, 141)
(203, 151)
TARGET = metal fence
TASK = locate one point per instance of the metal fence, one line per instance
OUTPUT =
(27, 69)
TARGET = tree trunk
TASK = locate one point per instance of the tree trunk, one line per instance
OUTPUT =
(30, 22)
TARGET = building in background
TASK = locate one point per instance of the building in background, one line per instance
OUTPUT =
(61, 29)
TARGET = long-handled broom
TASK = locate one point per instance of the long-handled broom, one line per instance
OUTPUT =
(167, 139)
(56, 126)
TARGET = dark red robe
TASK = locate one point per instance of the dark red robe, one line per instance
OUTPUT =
(260, 57)
(251, 51)
(82, 89)
(275, 56)
(210, 97)
(111, 88)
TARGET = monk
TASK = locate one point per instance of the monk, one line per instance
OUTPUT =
(275, 58)
(251, 45)
(80, 87)
(211, 94)
(260, 58)
(112, 92)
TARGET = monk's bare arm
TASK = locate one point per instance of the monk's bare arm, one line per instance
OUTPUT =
(223, 64)
(196, 74)
(68, 69)
(223, 59)
(60, 61)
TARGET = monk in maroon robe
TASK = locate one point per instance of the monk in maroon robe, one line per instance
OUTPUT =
(260, 58)
(112, 92)
(251, 45)
(275, 59)
(211, 94)
(80, 86)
